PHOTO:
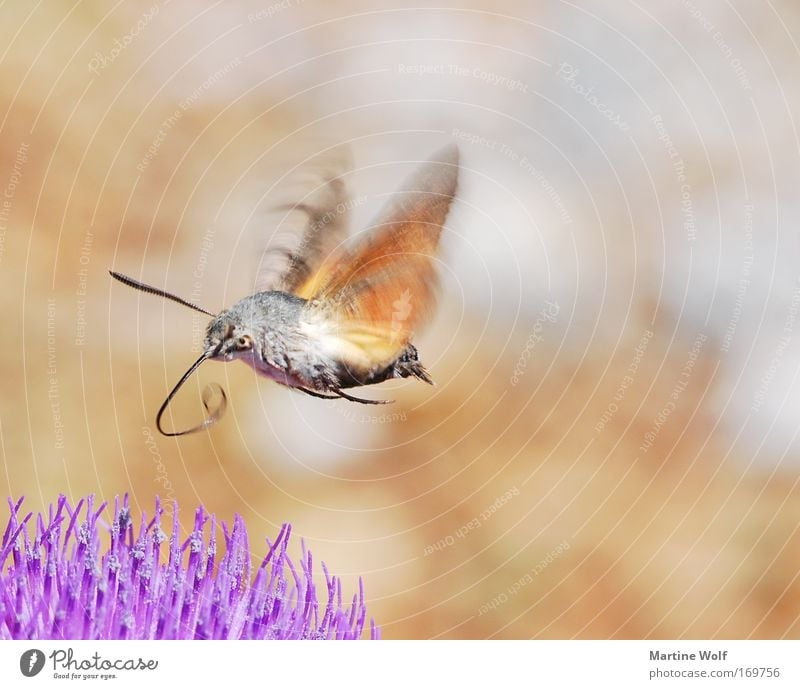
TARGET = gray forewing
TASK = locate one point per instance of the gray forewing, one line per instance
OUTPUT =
(310, 222)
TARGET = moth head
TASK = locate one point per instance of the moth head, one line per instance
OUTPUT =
(227, 337)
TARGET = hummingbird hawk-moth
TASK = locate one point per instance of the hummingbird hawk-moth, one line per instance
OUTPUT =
(330, 315)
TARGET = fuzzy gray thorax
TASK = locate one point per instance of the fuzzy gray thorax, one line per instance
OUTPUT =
(261, 329)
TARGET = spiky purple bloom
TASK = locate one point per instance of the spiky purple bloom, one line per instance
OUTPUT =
(78, 577)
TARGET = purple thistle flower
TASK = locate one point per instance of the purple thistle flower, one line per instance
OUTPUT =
(63, 583)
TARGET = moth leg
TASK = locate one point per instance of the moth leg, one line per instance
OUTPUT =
(317, 394)
(350, 398)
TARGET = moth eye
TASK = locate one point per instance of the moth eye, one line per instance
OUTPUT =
(243, 342)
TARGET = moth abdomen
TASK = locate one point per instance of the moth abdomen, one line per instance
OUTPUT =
(407, 365)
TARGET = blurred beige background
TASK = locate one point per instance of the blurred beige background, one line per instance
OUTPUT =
(611, 449)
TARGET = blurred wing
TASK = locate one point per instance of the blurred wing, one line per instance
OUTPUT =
(373, 295)
(312, 223)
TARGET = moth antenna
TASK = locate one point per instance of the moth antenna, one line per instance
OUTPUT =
(125, 280)
(213, 416)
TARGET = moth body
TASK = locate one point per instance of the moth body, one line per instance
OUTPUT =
(281, 339)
